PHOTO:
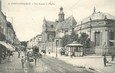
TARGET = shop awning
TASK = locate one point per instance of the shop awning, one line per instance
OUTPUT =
(112, 41)
(8, 46)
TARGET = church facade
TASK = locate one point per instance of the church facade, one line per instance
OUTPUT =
(53, 31)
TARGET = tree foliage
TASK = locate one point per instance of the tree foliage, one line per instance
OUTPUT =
(66, 40)
(74, 37)
(82, 39)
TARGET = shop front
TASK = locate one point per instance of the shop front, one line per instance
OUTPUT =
(3, 50)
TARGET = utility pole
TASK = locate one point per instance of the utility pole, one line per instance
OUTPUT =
(56, 47)
(90, 30)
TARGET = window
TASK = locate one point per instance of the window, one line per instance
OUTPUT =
(97, 38)
(66, 30)
(52, 26)
(111, 38)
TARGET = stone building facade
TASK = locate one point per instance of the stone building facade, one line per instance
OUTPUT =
(7, 32)
(53, 31)
(3, 26)
(8, 38)
(34, 42)
(101, 29)
(99, 26)
(10, 33)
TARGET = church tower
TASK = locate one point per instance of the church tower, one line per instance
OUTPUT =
(61, 15)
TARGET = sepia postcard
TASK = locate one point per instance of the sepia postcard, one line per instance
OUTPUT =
(57, 36)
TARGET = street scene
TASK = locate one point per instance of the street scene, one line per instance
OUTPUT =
(44, 65)
(57, 36)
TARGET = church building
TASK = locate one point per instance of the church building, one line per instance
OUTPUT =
(53, 31)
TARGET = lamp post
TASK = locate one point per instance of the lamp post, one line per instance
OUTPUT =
(56, 47)
(90, 28)
(106, 42)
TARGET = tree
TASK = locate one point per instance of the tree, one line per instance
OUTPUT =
(74, 36)
(87, 44)
(83, 39)
(66, 40)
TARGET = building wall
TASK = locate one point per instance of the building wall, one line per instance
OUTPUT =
(101, 27)
(3, 25)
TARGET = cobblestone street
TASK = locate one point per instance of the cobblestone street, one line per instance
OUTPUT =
(44, 65)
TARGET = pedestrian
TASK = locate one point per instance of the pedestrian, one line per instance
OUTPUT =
(8, 53)
(11, 55)
(71, 54)
(112, 57)
(105, 60)
(35, 58)
(19, 53)
(23, 61)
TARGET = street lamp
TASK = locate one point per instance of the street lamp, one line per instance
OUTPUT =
(90, 28)
(105, 43)
(56, 47)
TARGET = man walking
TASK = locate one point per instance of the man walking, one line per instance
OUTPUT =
(19, 53)
(23, 61)
(112, 57)
(105, 60)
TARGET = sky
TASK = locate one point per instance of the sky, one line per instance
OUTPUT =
(27, 16)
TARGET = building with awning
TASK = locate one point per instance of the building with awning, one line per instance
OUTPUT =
(8, 46)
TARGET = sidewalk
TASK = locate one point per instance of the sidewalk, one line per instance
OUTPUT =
(89, 62)
(13, 66)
